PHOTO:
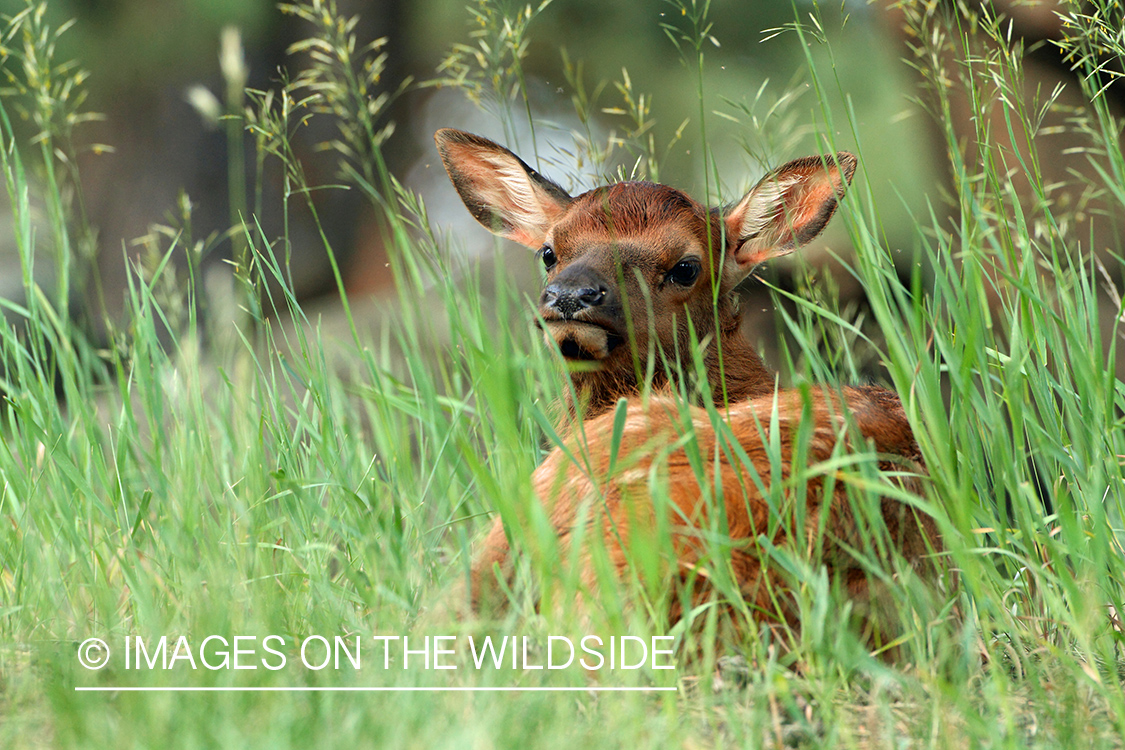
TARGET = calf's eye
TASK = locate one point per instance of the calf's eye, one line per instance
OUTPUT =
(547, 255)
(684, 273)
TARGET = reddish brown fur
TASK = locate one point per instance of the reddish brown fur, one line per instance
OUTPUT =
(631, 234)
(617, 504)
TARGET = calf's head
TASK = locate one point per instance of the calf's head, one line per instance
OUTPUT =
(627, 264)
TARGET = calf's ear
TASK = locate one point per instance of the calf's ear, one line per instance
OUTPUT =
(502, 192)
(788, 208)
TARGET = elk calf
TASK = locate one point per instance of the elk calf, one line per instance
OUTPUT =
(628, 264)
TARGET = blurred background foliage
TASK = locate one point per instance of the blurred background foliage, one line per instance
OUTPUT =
(147, 54)
(166, 163)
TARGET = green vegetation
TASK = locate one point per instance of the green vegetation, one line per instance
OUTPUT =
(185, 480)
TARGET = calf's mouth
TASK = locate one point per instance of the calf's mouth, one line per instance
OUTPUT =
(582, 341)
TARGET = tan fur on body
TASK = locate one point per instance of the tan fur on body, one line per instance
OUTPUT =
(617, 506)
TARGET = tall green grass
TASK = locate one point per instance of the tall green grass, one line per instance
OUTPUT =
(287, 484)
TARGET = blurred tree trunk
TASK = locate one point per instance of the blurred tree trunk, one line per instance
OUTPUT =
(163, 145)
(1068, 176)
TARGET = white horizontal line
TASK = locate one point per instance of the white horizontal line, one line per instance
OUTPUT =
(592, 689)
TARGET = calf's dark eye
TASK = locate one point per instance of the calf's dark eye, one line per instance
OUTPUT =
(684, 273)
(547, 255)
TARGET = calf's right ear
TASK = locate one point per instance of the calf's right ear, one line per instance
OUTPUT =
(501, 192)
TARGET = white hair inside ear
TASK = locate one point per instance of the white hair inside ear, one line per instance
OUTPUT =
(788, 208)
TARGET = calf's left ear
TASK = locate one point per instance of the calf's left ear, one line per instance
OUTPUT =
(788, 208)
